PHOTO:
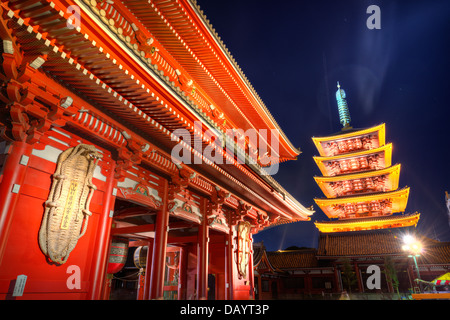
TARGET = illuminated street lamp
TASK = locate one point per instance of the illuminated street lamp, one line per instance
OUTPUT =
(414, 247)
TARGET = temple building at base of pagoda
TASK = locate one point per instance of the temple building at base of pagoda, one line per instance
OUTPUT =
(99, 100)
(365, 232)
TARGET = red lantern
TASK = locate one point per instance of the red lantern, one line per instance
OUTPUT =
(117, 255)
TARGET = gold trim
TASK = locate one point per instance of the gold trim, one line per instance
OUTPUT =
(399, 197)
(380, 223)
(387, 149)
(381, 129)
(393, 172)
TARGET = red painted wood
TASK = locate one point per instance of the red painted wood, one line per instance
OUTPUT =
(148, 271)
(101, 247)
(229, 269)
(13, 173)
(202, 255)
(159, 249)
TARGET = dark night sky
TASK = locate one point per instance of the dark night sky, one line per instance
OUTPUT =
(294, 52)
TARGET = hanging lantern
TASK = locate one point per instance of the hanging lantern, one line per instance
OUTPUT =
(117, 255)
(140, 257)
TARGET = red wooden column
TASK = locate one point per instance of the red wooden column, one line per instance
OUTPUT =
(148, 270)
(229, 267)
(251, 278)
(102, 240)
(159, 249)
(184, 252)
(202, 255)
(14, 171)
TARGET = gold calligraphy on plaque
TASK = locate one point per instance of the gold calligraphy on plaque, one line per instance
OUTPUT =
(68, 208)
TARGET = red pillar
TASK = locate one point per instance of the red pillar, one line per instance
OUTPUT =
(229, 274)
(12, 179)
(182, 273)
(202, 256)
(159, 249)
(141, 285)
(250, 271)
(102, 241)
(148, 270)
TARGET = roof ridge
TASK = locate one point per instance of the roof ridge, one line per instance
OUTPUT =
(240, 71)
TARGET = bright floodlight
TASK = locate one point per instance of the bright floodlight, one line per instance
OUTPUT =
(408, 239)
(412, 245)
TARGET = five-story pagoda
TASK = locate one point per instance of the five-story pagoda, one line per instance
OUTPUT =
(359, 181)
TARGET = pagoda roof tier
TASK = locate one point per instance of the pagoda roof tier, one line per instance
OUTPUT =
(361, 182)
(368, 205)
(366, 160)
(371, 223)
(351, 140)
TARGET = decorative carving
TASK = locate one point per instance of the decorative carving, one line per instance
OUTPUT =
(140, 195)
(262, 221)
(129, 155)
(239, 214)
(29, 111)
(218, 198)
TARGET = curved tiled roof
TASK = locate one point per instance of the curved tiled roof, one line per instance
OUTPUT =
(380, 242)
(357, 244)
(293, 259)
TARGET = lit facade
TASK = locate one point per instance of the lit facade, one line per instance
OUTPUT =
(95, 97)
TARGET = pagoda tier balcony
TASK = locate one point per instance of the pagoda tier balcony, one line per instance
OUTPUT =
(360, 183)
(377, 204)
(372, 223)
(362, 161)
(353, 141)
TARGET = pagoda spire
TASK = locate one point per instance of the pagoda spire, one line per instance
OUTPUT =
(344, 114)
